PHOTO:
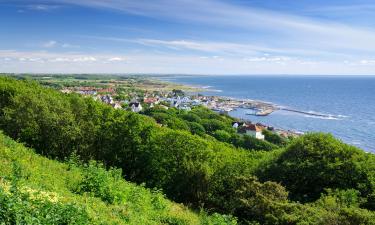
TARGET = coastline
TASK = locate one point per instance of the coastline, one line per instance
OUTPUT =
(228, 104)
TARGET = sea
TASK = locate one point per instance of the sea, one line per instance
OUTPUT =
(346, 103)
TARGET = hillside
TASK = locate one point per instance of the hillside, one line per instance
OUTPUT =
(313, 179)
(36, 190)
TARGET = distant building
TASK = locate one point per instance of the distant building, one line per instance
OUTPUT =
(66, 91)
(87, 92)
(175, 103)
(116, 106)
(253, 130)
(151, 100)
(106, 90)
(238, 124)
(107, 99)
(135, 107)
(184, 107)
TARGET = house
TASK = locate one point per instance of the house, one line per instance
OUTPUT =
(175, 103)
(87, 92)
(135, 107)
(107, 99)
(238, 124)
(66, 91)
(151, 100)
(116, 105)
(184, 107)
(253, 130)
(106, 90)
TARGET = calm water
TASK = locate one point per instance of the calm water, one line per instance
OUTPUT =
(350, 102)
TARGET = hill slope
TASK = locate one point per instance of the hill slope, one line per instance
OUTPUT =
(36, 190)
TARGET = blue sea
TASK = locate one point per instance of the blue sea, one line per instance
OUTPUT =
(347, 101)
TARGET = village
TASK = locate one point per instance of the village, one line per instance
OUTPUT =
(137, 100)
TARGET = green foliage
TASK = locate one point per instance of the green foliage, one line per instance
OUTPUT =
(222, 135)
(204, 121)
(196, 128)
(274, 138)
(250, 142)
(25, 208)
(36, 190)
(194, 169)
(191, 117)
(100, 182)
(178, 92)
(315, 162)
(212, 125)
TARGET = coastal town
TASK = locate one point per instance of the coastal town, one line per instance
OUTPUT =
(137, 100)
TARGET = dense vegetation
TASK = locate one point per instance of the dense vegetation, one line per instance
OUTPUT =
(203, 121)
(333, 183)
(35, 190)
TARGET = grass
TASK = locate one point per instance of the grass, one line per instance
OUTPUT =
(34, 189)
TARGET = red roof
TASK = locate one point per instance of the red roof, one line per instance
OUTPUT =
(253, 127)
(150, 100)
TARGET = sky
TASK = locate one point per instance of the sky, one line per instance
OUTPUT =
(212, 37)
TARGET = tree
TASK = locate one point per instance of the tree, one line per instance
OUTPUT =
(274, 138)
(250, 142)
(222, 135)
(315, 162)
(196, 128)
(212, 125)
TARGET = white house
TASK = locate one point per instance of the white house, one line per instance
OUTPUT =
(254, 130)
(135, 107)
(116, 106)
(184, 107)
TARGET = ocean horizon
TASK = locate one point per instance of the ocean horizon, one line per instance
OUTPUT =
(347, 102)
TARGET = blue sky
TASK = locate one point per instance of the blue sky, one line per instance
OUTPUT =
(189, 37)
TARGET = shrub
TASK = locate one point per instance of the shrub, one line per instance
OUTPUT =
(100, 183)
(315, 162)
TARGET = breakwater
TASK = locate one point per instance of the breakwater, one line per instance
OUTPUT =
(306, 113)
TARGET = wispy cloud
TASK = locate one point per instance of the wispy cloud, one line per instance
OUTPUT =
(54, 44)
(67, 45)
(49, 44)
(52, 62)
(253, 39)
(302, 32)
(43, 7)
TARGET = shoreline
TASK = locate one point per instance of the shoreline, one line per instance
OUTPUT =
(228, 104)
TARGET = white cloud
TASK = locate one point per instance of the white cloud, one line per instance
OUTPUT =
(116, 59)
(219, 47)
(302, 32)
(306, 45)
(50, 44)
(268, 59)
(367, 62)
(85, 59)
(53, 44)
(66, 45)
(49, 62)
(43, 7)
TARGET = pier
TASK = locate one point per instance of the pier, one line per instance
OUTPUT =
(306, 113)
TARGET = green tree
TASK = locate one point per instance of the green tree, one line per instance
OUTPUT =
(222, 135)
(314, 162)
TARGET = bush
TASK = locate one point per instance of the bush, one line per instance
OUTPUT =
(100, 183)
(222, 135)
(315, 162)
(250, 142)
(274, 138)
(196, 128)
(22, 208)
